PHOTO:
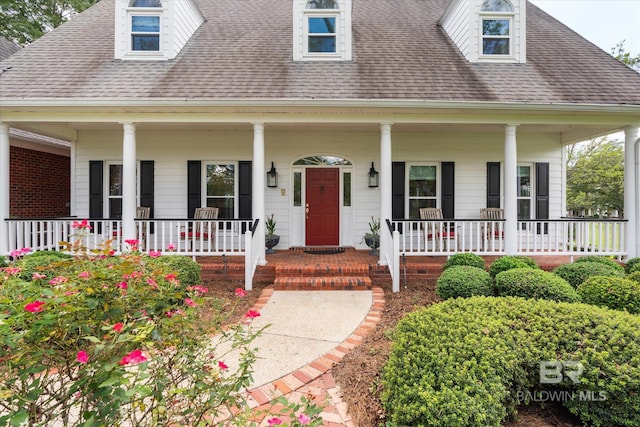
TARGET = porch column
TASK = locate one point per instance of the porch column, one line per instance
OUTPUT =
(631, 190)
(510, 190)
(385, 191)
(129, 182)
(5, 152)
(258, 190)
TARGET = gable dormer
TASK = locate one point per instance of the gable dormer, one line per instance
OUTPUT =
(322, 30)
(488, 30)
(154, 29)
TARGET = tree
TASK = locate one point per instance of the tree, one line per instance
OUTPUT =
(595, 176)
(619, 53)
(24, 21)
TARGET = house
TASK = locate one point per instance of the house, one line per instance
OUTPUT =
(40, 168)
(357, 110)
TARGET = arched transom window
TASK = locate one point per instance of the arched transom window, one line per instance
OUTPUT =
(497, 23)
(145, 3)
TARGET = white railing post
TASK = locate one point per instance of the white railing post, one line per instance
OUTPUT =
(248, 260)
(385, 187)
(395, 275)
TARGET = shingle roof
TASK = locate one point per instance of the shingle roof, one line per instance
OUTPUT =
(7, 48)
(244, 50)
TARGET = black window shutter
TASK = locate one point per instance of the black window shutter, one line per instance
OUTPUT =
(96, 199)
(542, 193)
(194, 186)
(493, 184)
(245, 185)
(147, 177)
(447, 198)
(397, 190)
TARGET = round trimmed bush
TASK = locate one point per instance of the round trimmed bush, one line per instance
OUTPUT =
(577, 272)
(618, 293)
(635, 276)
(602, 260)
(470, 361)
(186, 269)
(465, 258)
(632, 265)
(509, 262)
(464, 281)
(530, 283)
(43, 262)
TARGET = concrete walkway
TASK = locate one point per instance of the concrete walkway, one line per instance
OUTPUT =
(309, 332)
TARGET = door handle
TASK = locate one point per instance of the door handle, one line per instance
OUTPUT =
(306, 211)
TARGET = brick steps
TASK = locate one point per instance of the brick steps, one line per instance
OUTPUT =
(322, 276)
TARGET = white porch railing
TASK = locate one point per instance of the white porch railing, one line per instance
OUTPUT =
(571, 237)
(191, 237)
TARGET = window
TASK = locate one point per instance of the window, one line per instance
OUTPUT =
(496, 27)
(322, 29)
(423, 188)
(524, 192)
(220, 184)
(297, 189)
(114, 195)
(145, 25)
(346, 189)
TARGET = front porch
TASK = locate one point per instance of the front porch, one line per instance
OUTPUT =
(417, 249)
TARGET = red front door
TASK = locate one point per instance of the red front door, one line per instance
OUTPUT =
(323, 207)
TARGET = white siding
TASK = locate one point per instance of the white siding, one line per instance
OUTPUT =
(456, 23)
(187, 20)
(172, 149)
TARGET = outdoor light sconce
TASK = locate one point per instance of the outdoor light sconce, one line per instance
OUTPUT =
(374, 177)
(272, 177)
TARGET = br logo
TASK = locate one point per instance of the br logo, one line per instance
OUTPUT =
(553, 372)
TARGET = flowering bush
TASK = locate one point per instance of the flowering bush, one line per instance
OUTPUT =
(107, 340)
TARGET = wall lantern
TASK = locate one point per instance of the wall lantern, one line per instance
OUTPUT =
(374, 177)
(272, 177)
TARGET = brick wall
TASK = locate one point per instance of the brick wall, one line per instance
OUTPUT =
(40, 184)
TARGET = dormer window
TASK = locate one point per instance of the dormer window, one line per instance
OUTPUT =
(322, 30)
(145, 25)
(497, 21)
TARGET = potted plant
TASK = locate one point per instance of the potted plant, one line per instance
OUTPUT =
(372, 237)
(270, 238)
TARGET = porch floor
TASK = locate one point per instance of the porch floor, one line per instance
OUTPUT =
(297, 269)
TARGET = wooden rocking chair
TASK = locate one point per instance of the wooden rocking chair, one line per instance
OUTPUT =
(436, 228)
(200, 230)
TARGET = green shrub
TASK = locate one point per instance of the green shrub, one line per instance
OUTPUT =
(42, 262)
(186, 269)
(635, 276)
(529, 283)
(464, 281)
(3, 262)
(577, 272)
(632, 265)
(617, 293)
(471, 361)
(602, 260)
(464, 258)
(509, 262)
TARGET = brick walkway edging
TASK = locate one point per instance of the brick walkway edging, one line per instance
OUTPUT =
(315, 379)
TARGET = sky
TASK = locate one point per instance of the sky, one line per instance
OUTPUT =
(603, 22)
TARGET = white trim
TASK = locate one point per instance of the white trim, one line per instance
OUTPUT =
(5, 180)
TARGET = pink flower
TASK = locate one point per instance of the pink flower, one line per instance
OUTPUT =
(118, 327)
(58, 280)
(133, 358)
(223, 366)
(34, 307)
(85, 275)
(200, 289)
(275, 421)
(132, 242)
(69, 293)
(19, 252)
(171, 247)
(152, 283)
(84, 224)
(122, 285)
(252, 314)
(82, 357)
(190, 302)
(38, 276)
(304, 419)
(174, 312)
(241, 292)
(12, 271)
(155, 254)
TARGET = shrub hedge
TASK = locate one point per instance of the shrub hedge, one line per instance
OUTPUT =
(577, 272)
(602, 260)
(529, 283)
(187, 270)
(3, 262)
(464, 258)
(470, 362)
(42, 262)
(509, 262)
(464, 281)
(632, 265)
(618, 293)
(635, 276)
